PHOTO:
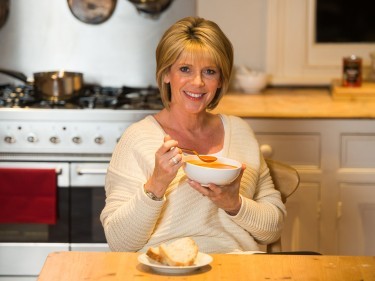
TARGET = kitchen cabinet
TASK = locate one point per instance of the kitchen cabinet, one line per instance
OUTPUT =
(356, 224)
(333, 211)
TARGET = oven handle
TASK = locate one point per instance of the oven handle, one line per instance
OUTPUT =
(91, 171)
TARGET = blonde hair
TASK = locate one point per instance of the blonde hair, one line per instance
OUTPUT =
(189, 35)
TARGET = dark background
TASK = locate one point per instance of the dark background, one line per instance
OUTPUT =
(345, 21)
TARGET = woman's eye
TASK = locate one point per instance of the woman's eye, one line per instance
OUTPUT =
(184, 69)
(209, 72)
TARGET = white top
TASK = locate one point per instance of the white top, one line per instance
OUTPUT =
(134, 222)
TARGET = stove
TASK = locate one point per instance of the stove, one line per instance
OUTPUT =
(86, 126)
(75, 138)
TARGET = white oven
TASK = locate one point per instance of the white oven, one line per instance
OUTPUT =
(80, 199)
(77, 144)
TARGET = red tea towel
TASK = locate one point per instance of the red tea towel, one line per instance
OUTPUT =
(28, 195)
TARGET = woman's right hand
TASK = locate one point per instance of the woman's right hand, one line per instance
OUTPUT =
(167, 162)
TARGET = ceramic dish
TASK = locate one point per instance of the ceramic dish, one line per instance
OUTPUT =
(211, 174)
(201, 260)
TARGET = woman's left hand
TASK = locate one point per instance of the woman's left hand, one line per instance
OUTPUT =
(226, 197)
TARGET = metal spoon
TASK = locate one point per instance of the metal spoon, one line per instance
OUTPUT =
(204, 158)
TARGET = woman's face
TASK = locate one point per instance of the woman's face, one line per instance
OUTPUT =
(194, 79)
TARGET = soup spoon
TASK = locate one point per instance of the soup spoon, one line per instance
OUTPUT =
(204, 158)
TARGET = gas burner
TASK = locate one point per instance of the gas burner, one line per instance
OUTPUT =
(91, 97)
(97, 101)
(154, 102)
(54, 105)
(17, 97)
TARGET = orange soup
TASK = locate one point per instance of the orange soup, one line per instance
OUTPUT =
(215, 165)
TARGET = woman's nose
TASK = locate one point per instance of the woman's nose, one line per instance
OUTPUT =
(198, 79)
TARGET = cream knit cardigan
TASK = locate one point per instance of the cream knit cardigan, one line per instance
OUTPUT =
(133, 222)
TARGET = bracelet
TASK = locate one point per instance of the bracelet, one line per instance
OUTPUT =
(152, 196)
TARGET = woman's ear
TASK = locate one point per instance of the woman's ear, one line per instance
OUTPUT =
(166, 79)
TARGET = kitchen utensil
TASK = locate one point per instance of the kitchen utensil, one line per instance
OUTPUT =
(204, 158)
(221, 172)
(92, 11)
(251, 81)
(4, 12)
(52, 85)
(151, 7)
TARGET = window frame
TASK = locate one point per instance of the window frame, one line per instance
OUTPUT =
(292, 56)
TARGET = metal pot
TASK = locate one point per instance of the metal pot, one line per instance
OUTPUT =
(52, 85)
(151, 7)
(4, 11)
(92, 11)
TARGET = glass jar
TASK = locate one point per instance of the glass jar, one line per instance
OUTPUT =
(352, 71)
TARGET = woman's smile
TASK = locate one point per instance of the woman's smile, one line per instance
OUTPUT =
(193, 95)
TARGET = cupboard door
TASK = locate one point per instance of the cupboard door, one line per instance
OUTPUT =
(356, 225)
(297, 149)
(301, 229)
(357, 151)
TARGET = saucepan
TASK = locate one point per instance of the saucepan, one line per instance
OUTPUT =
(92, 11)
(52, 85)
(151, 7)
(4, 11)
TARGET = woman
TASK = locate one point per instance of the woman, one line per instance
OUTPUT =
(149, 199)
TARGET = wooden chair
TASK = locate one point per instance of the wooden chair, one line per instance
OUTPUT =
(286, 180)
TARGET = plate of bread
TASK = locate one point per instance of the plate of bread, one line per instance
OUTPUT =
(178, 257)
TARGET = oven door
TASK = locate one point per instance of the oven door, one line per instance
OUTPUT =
(24, 247)
(87, 202)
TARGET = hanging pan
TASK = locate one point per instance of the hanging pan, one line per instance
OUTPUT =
(152, 8)
(92, 11)
(4, 12)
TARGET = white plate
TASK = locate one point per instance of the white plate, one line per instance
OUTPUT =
(201, 260)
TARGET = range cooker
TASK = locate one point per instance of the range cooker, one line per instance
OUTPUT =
(76, 138)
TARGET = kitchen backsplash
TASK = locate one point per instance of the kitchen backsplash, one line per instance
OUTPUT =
(43, 35)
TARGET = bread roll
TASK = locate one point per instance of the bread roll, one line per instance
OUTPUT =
(181, 252)
(154, 253)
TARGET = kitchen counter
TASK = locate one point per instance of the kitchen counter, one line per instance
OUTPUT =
(295, 103)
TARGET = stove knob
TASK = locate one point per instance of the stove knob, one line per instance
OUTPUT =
(32, 138)
(9, 139)
(99, 140)
(77, 140)
(54, 140)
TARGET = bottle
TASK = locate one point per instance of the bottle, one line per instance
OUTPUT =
(352, 71)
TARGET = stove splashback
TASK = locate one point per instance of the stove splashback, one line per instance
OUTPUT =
(43, 35)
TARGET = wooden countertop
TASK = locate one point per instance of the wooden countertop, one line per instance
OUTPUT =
(294, 103)
(71, 266)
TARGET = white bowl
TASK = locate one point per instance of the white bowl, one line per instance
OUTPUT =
(253, 82)
(206, 175)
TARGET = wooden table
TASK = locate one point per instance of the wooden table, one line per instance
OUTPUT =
(125, 266)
